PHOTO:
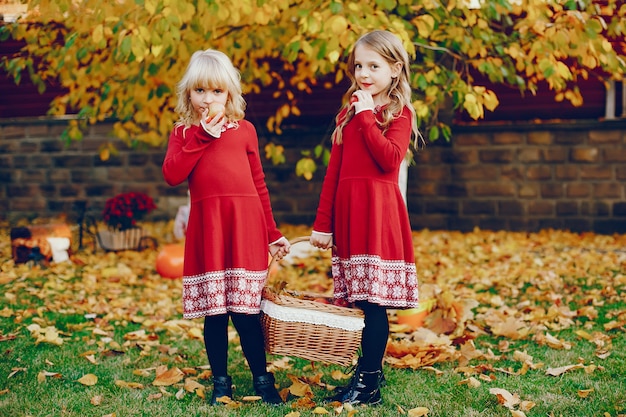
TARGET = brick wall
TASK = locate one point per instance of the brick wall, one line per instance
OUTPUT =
(524, 177)
(505, 177)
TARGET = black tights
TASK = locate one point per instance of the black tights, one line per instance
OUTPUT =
(250, 334)
(375, 335)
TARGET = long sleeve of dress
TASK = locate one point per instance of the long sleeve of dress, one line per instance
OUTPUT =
(184, 149)
(258, 176)
(387, 150)
(324, 218)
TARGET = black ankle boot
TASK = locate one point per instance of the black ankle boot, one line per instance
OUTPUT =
(364, 388)
(222, 386)
(340, 392)
(264, 387)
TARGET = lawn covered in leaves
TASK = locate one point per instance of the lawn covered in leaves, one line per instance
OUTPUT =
(523, 324)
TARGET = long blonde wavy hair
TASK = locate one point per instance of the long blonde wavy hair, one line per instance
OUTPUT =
(389, 46)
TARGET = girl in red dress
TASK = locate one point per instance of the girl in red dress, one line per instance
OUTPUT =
(361, 207)
(231, 223)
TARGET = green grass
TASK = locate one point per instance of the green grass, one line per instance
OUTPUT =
(79, 299)
(406, 389)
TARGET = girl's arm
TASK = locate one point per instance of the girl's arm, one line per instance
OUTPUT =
(389, 150)
(324, 218)
(258, 176)
(184, 149)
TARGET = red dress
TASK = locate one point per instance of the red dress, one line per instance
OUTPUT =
(230, 220)
(361, 204)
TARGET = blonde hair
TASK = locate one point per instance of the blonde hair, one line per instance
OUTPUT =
(210, 69)
(388, 46)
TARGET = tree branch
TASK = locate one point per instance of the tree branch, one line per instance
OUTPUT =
(438, 48)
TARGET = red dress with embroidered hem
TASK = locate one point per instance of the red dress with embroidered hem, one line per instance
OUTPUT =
(361, 204)
(230, 220)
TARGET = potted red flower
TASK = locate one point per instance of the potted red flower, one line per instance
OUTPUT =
(121, 214)
(124, 210)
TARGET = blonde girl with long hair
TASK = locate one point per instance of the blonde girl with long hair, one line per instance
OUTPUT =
(361, 213)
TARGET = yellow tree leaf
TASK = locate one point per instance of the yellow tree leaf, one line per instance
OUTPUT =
(505, 398)
(418, 412)
(299, 388)
(88, 379)
(133, 385)
(306, 167)
(192, 385)
(563, 369)
(98, 34)
(169, 377)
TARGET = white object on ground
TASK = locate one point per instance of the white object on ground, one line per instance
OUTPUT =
(59, 247)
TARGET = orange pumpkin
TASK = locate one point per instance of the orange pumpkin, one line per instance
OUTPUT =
(170, 260)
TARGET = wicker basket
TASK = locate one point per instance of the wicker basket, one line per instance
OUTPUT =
(301, 327)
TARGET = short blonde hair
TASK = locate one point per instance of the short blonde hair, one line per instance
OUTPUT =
(210, 69)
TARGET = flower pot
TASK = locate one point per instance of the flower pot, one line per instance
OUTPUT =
(116, 240)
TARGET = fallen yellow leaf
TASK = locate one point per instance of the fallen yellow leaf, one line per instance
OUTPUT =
(132, 385)
(191, 385)
(526, 405)
(169, 377)
(180, 394)
(562, 369)
(88, 379)
(16, 370)
(505, 397)
(298, 388)
(41, 376)
(471, 381)
(251, 398)
(418, 412)
(225, 399)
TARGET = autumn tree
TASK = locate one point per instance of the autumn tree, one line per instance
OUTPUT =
(121, 59)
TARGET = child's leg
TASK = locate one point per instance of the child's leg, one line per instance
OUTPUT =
(374, 337)
(252, 342)
(364, 388)
(216, 343)
(251, 335)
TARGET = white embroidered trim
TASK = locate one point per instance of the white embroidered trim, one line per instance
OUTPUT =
(301, 315)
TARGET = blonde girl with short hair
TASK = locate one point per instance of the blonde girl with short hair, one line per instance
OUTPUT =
(231, 223)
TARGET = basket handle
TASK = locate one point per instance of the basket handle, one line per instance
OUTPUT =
(292, 242)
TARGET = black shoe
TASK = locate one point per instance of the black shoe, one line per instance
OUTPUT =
(364, 388)
(342, 391)
(265, 388)
(222, 387)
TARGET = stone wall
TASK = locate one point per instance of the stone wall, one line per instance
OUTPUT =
(499, 177)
